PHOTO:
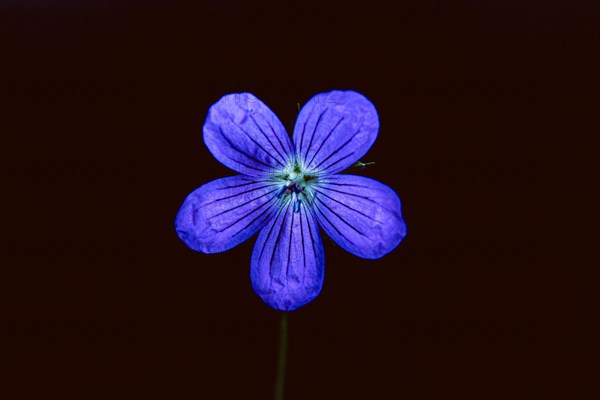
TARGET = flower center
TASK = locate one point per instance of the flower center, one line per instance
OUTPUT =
(296, 185)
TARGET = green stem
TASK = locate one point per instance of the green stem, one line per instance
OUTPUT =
(283, 327)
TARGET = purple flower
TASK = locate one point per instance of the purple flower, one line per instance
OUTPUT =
(287, 189)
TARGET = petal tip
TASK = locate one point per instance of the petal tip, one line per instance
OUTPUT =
(287, 300)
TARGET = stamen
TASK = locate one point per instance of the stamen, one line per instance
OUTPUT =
(281, 191)
(297, 205)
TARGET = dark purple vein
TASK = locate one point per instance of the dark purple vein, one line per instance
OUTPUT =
(312, 137)
(332, 225)
(338, 149)
(269, 140)
(237, 194)
(243, 204)
(230, 143)
(258, 144)
(324, 140)
(339, 216)
(348, 207)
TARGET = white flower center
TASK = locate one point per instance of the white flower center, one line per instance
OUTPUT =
(296, 185)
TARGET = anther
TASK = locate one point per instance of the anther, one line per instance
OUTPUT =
(281, 191)
(297, 205)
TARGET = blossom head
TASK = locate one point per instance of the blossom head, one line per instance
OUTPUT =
(287, 189)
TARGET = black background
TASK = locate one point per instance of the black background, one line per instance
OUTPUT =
(479, 103)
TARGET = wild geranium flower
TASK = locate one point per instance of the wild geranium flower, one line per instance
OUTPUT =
(287, 189)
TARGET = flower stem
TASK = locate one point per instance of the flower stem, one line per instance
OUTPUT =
(283, 327)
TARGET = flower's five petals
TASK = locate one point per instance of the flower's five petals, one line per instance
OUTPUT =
(225, 212)
(334, 130)
(244, 134)
(287, 264)
(360, 214)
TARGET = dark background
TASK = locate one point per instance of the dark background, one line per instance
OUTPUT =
(480, 104)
